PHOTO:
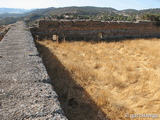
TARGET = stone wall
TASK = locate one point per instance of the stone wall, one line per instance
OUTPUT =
(90, 30)
(25, 89)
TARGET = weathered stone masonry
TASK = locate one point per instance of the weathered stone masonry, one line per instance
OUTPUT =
(25, 89)
(92, 30)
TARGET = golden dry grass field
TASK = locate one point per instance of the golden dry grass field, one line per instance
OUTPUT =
(120, 77)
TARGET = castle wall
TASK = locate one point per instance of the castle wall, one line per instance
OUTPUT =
(25, 87)
(78, 30)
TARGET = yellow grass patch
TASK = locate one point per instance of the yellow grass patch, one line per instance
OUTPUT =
(121, 77)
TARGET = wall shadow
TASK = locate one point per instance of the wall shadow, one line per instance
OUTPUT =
(107, 40)
(110, 40)
(75, 101)
(2, 33)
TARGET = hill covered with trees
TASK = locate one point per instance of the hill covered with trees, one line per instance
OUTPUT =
(81, 13)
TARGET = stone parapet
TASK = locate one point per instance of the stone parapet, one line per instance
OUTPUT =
(25, 89)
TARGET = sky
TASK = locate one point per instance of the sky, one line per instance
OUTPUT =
(117, 4)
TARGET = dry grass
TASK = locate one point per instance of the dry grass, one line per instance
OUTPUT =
(121, 77)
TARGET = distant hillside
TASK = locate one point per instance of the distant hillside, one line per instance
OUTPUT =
(87, 12)
(141, 12)
(13, 10)
(153, 11)
(74, 9)
(128, 11)
(93, 10)
(44, 11)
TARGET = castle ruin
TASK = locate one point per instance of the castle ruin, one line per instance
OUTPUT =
(94, 30)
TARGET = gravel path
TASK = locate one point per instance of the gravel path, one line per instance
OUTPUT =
(25, 89)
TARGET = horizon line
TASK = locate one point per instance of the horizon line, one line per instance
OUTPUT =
(78, 6)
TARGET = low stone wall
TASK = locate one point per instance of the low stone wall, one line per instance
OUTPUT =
(25, 89)
(95, 30)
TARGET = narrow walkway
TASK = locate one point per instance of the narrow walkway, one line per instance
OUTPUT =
(25, 89)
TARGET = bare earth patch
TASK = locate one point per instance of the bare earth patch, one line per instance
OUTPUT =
(120, 77)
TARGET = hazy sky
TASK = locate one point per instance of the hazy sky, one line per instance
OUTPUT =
(117, 4)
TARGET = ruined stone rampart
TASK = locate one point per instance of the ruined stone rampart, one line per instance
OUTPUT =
(25, 89)
(73, 30)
